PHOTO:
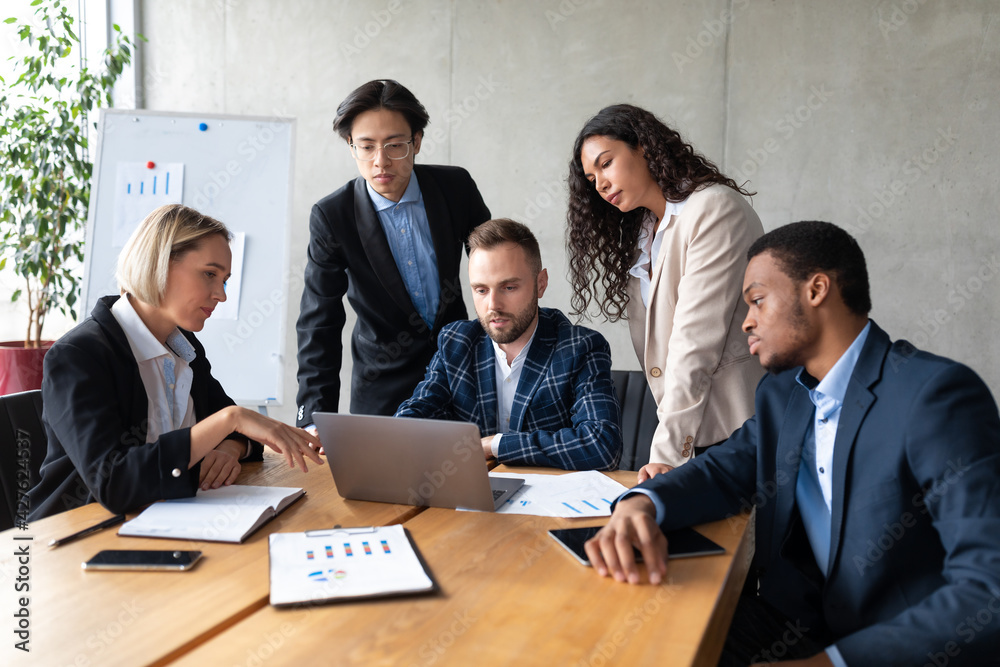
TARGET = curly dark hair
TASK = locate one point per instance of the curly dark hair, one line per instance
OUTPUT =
(802, 249)
(600, 239)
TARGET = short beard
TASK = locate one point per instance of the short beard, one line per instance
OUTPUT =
(519, 323)
(779, 363)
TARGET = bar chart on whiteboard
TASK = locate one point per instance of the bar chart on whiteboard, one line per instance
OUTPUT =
(146, 159)
(139, 188)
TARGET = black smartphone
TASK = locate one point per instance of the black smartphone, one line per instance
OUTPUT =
(133, 559)
(681, 543)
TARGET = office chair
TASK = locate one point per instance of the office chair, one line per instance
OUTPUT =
(638, 417)
(22, 448)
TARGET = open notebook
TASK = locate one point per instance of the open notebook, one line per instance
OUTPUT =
(227, 514)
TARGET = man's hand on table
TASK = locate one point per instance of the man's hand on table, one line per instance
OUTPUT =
(633, 524)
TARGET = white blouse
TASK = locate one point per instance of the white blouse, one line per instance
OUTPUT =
(165, 371)
(649, 247)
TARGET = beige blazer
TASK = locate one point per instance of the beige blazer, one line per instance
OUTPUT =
(689, 341)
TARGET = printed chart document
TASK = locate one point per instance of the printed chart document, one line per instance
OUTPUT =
(227, 514)
(575, 494)
(139, 188)
(344, 563)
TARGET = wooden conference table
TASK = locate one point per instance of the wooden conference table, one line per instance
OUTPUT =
(507, 593)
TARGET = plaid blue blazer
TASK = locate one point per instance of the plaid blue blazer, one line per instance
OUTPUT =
(565, 412)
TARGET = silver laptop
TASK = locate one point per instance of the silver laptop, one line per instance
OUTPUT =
(425, 462)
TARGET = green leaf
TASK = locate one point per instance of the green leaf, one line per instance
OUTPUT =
(45, 167)
(10, 20)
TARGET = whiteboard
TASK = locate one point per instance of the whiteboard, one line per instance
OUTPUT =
(237, 169)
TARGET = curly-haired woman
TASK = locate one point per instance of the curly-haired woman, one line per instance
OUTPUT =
(658, 235)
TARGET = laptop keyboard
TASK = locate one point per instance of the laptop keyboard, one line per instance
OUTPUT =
(497, 493)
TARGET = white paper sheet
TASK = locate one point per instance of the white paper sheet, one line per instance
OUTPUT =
(139, 189)
(343, 563)
(576, 494)
(230, 308)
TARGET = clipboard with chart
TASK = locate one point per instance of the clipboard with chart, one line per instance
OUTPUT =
(343, 564)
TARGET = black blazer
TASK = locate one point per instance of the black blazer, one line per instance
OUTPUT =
(915, 525)
(94, 409)
(349, 254)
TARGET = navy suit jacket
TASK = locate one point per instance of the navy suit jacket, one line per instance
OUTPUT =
(914, 568)
(349, 254)
(95, 409)
(565, 412)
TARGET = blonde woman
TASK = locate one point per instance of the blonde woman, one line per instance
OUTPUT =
(130, 407)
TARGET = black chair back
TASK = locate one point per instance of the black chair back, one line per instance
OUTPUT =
(22, 449)
(638, 417)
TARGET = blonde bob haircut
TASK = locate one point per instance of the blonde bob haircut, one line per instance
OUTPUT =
(166, 234)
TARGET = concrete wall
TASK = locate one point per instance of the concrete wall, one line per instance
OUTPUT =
(880, 116)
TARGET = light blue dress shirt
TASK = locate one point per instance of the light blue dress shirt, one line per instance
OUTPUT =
(409, 233)
(814, 487)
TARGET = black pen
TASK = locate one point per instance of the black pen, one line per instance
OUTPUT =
(107, 523)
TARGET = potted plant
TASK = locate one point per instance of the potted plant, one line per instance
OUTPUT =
(45, 174)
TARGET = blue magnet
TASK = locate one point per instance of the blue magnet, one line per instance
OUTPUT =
(202, 126)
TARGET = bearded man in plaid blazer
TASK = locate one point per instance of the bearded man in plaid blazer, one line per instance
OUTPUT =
(538, 387)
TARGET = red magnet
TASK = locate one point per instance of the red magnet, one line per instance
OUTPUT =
(150, 164)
